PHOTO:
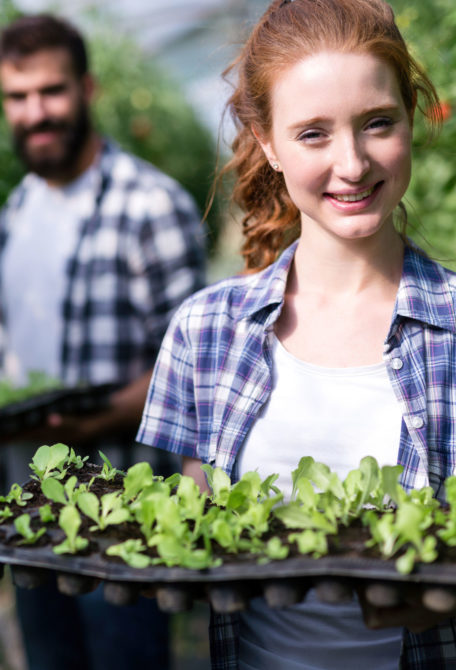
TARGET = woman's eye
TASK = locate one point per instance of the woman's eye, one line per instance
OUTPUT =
(311, 136)
(381, 122)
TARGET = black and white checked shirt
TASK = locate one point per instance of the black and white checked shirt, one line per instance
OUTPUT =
(138, 256)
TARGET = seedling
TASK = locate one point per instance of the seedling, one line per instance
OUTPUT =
(65, 494)
(106, 512)
(138, 477)
(50, 462)
(17, 495)
(310, 542)
(108, 471)
(46, 514)
(130, 551)
(5, 513)
(76, 460)
(22, 525)
(70, 522)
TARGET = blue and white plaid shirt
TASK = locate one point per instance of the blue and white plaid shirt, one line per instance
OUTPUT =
(139, 254)
(213, 375)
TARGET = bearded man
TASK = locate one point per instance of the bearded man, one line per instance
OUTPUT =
(97, 249)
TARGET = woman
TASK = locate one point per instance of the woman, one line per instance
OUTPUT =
(342, 345)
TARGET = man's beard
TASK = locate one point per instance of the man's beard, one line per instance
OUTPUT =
(72, 136)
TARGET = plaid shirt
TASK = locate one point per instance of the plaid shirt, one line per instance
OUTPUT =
(213, 375)
(138, 256)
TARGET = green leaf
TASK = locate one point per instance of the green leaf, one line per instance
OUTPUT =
(303, 469)
(390, 481)
(221, 486)
(130, 551)
(47, 459)
(70, 522)
(310, 542)
(22, 525)
(46, 514)
(276, 550)
(54, 490)
(89, 505)
(406, 563)
(138, 477)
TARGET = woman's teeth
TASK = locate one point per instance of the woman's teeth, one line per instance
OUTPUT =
(355, 196)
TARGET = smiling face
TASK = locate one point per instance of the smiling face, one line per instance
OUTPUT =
(46, 105)
(342, 138)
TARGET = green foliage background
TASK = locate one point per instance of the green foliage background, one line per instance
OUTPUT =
(146, 112)
(429, 27)
(142, 108)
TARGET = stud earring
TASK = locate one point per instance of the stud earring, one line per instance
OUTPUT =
(275, 166)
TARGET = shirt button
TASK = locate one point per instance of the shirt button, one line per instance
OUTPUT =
(396, 363)
(417, 422)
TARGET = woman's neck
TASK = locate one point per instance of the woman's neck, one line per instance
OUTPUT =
(348, 266)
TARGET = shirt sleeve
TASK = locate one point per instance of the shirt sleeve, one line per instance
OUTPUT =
(169, 419)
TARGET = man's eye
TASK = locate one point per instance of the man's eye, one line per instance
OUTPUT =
(54, 90)
(16, 97)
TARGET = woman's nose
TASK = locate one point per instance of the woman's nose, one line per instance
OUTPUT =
(350, 160)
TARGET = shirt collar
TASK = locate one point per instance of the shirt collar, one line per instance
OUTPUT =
(426, 292)
(267, 288)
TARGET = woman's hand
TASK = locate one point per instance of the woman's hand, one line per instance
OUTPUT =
(411, 613)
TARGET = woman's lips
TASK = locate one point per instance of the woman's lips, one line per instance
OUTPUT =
(354, 200)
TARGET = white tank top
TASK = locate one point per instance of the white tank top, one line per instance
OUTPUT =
(43, 237)
(338, 416)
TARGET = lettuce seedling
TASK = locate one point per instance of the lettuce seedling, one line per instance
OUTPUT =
(407, 526)
(76, 460)
(310, 542)
(297, 517)
(65, 494)
(5, 513)
(17, 495)
(219, 483)
(105, 512)
(108, 471)
(172, 552)
(49, 462)
(46, 514)
(70, 522)
(22, 525)
(275, 550)
(130, 552)
(138, 477)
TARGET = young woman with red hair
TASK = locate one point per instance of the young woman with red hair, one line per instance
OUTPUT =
(339, 339)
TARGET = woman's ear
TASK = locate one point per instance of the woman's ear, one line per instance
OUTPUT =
(267, 148)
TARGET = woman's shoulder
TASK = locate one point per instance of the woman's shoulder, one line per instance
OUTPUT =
(227, 295)
(242, 295)
(428, 288)
(429, 270)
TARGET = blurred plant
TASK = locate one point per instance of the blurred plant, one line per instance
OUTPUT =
(429, 27)
(142, 108)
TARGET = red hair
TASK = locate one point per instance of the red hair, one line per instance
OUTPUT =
(287, 33)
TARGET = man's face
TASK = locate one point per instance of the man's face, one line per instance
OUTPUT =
(46, 105)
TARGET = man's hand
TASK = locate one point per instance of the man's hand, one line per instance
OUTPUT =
(121, 417)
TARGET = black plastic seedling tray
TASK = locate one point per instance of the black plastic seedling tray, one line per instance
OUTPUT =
(32, 412)
(229, 586)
